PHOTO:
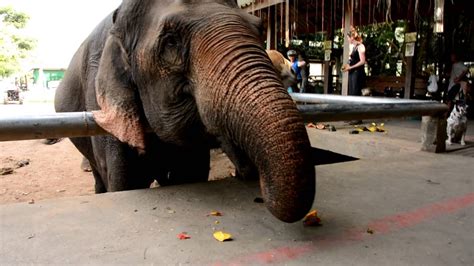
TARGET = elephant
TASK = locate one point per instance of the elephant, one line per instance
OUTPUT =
(283, 68)
(167, 80)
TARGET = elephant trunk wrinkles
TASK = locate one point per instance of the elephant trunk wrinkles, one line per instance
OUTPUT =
(257, 116)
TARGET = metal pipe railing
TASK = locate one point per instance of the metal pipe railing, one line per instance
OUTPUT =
(57, 125)
(340, 112)
(330, 108)
(326, 107)
(329, 98)
(323, 107)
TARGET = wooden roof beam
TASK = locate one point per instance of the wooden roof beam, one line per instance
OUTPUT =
(261, 5)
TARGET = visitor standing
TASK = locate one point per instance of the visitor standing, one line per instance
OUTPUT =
(355, 66)
(356, 63)
(458, 73)
(297, 66)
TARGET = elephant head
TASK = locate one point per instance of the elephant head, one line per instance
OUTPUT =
(190, 69)
(283, 67)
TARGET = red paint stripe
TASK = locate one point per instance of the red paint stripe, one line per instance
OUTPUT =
(400, 221)
(382, 226)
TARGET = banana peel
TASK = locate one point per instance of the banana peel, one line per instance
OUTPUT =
(379, 127)
(372, 128)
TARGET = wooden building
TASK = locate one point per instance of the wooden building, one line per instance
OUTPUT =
(287, 22)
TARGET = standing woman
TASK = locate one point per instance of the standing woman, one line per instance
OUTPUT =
(356, 63)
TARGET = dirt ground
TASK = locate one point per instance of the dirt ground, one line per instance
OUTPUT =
(33, 171)
(52, 171)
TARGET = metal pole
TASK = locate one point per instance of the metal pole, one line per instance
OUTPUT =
(341, 112)
(328, 98)
(329, 108)
(337, 108)
(58, 125)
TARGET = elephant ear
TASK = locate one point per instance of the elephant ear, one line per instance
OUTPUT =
(119, 114)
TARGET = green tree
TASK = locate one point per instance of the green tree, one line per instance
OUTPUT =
(14, 47)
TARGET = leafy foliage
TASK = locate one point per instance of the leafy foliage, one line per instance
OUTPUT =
(13, 46)
(14, 18)
(428, 45)
(311, 45)
(384, 46)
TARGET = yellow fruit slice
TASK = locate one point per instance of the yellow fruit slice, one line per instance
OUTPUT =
(221, 236)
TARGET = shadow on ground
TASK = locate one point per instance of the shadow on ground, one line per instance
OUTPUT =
(320, 156)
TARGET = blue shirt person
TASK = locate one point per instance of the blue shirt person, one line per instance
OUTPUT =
(296, 66)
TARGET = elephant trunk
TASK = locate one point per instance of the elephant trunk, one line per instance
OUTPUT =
(241, 99)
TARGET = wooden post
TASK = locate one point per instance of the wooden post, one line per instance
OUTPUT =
(275, 23)
(345, 55)
(327, 73)
(444, 43)
(269, 29)
(287, 23)
(327, 61)
(410, 71)
(410, 77)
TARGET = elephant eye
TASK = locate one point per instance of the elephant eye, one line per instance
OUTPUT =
(170, 50)
(171, 42)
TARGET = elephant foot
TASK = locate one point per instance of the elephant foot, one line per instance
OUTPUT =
(246, 173)
(51, 141)
(99, 189)
(85, 165)
(99, 185)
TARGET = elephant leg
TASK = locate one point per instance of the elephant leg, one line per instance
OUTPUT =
(124, 171)
(119, 166)
(99, 186)
(84, 145)
(245, 169)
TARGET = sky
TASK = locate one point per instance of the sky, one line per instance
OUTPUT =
(60, 26)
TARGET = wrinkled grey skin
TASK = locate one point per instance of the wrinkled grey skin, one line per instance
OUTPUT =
(167, 79)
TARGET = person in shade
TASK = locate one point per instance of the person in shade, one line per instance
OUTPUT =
(456, 76)
(298, 67)
(355, 66)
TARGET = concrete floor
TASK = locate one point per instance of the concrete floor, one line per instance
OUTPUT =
(402, 207)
